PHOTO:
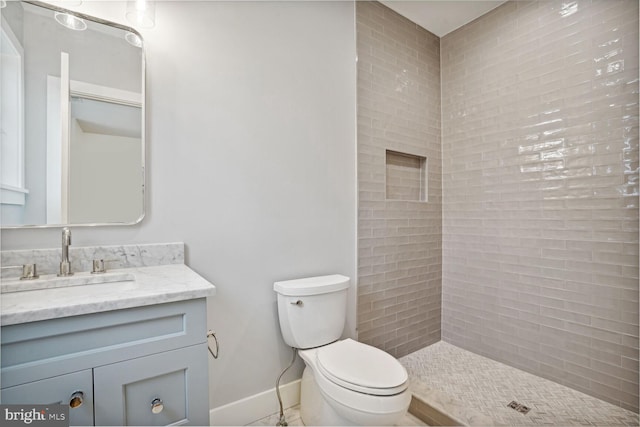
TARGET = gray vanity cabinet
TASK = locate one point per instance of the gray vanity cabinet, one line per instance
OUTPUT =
(160, 389)
(138, 366)
(58, 390)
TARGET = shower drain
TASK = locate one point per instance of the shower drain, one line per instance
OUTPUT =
(519, 407)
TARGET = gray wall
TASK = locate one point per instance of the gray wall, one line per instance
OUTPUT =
(540, 177)
(251, 162)
(399, 241)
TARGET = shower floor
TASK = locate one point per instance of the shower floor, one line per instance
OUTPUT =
(454, 386)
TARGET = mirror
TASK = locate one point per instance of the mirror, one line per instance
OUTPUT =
(72, 122)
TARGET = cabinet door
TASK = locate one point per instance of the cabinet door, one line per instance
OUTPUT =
(176, 380)
(57, 390)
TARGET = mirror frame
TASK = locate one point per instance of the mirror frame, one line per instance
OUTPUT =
(143, 144)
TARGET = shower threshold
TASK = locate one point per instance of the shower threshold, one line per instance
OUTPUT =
(452, 386)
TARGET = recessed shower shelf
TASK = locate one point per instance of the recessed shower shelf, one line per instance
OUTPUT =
(406, 177)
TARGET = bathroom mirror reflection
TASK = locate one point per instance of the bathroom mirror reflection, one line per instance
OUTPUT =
(73, 145)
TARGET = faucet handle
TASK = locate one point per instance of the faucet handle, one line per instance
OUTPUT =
(99, 265)
(29, 272)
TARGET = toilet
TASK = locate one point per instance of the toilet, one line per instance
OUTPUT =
(344, 382)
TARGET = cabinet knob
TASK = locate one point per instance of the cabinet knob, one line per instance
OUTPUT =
(157, 406)
(76, 400)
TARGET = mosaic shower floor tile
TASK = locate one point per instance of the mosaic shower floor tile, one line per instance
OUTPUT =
(475, 390)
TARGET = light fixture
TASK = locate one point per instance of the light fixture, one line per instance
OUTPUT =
(141, 13)
(133, 39)
(3, 4)
(70, 21)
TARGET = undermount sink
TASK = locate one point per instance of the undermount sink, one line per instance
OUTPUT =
(50, 281)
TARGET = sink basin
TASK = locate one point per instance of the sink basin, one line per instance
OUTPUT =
(50, 281)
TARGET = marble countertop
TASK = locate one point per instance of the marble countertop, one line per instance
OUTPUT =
(141, 286)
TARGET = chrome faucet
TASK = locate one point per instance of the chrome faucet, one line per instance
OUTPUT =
(65, 265)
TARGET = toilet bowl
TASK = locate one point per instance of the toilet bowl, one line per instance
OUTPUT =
(345, 382)
(350, 383)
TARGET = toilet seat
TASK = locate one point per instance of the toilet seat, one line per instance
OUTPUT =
(362, 368)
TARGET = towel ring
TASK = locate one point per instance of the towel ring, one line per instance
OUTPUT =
(210, 334)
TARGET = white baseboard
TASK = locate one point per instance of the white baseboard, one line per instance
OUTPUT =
(252, 408)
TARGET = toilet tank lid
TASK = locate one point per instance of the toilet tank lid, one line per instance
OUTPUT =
(312, 285)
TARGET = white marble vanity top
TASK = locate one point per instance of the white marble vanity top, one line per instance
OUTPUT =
(141, 286)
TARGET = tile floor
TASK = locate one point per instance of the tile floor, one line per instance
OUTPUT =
(484, 387)
(475, 391)
(292, 415)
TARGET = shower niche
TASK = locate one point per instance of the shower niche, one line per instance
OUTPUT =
(405, 177)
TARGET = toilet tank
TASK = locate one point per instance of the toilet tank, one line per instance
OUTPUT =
(312, 311)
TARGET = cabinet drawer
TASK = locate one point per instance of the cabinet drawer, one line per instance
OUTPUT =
(57, 390)
(32, 351)
(124, 391)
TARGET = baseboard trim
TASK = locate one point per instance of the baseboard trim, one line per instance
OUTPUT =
(250, 409)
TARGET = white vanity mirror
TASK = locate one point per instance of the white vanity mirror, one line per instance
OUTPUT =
(72, 122)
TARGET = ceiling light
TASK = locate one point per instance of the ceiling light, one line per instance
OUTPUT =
(70, 21)
(141, 13)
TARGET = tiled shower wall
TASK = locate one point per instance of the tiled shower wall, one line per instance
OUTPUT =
(400, 249)
(540, 184)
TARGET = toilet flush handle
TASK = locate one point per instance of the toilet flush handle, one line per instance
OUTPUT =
(298, 303)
